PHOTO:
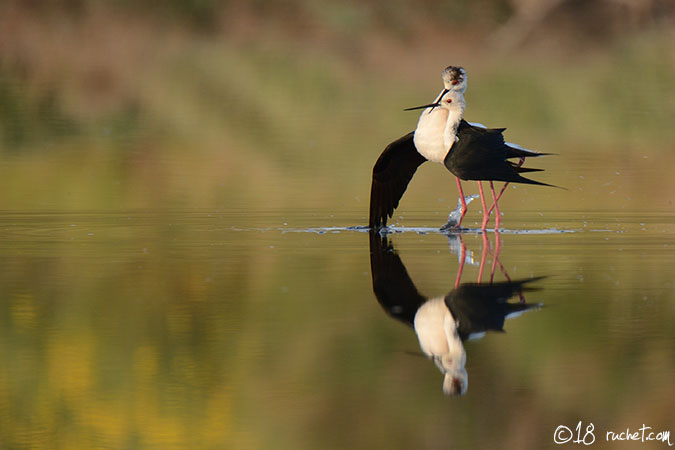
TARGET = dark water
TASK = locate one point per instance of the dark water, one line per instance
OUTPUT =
(223, 329)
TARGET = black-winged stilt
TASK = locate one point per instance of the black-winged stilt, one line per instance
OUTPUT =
(442, 323)
(469, 151)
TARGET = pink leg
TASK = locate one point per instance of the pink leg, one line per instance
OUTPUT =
(494, 266)
(498, 245)
(486, 215)
(520, 163)
(498, 216)
(495, 260)
(499, 195)
(462, 258)
(486, 246)
(461, 197)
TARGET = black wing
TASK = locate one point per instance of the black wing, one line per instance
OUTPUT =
(392, 172)
(482, 154)
(483, 307)
(392, 285)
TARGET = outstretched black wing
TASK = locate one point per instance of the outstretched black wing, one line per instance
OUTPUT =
(392, 172)
(482, 154)
(392, 285)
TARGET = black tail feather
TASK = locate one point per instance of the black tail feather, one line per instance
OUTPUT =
(527, 169)
(521, 179)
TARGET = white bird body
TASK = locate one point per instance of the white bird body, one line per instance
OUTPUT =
(436, 331)
(436, 130)
(430, 324)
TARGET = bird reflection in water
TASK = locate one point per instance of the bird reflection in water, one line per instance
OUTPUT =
(442, 323)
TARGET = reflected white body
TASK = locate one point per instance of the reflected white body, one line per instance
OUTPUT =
(438, 337)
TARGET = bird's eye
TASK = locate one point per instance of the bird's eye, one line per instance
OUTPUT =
(455, 82)
(449, 100)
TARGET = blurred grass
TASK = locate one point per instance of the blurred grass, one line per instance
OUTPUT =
(213, 123)
(136, 119)
(622, 97)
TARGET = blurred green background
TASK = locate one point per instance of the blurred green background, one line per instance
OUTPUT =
(136, 138)
(199, 103)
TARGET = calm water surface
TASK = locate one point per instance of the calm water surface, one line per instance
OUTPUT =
(228, 329)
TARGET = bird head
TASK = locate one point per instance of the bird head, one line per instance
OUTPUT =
(454, 78)
(449, 99)
(452, 96)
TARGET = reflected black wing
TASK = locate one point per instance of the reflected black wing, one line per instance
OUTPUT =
(392, 285)
(482, 154)
(482, 307)
(392, 172)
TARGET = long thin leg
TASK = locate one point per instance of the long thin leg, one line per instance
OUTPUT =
(498, 216)
(495, 260)
(462, 258)
(499, 195)
(494, 266)
(486, 247)
(520, 163)
(498, 245)
(461, 197)
(486, 215)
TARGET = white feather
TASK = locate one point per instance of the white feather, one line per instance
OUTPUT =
(436, 130)
(511, 144)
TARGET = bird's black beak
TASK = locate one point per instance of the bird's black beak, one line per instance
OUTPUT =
(430, 105)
